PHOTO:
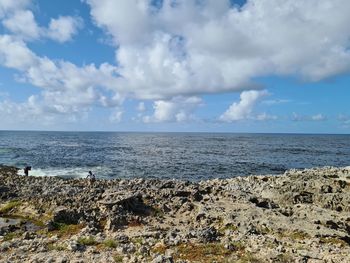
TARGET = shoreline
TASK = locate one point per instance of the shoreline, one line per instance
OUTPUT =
(299, 216)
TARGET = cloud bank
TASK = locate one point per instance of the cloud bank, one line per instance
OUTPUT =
(173, 52)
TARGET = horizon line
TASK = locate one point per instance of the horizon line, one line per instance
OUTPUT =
(204, 132)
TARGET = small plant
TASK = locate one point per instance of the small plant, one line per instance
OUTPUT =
(230, 227)
(9, 206)
(56, 247)
(11, 235)
(64, 230)
(138, 240)
(118, 258)
(333, 241)
(156, 211)
(202, 252)
(110, 243)
(87, 241)
(299, 235)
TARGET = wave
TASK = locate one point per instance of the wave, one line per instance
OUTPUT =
(76, 172)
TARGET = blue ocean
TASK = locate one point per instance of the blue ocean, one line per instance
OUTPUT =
(186, 156)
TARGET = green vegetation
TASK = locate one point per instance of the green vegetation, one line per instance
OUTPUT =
(137, 240)
(12, 235)
(231, 227)
(56, 247)
(156, 211)
(87, 241)
(65, 230)
(299, 235)
(110, 243)
(202, 252)
(9, 206)
(118, 258)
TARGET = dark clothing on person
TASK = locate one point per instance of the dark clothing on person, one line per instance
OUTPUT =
(27, 169)
(91, 176)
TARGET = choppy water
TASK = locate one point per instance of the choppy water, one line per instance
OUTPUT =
(190, 156)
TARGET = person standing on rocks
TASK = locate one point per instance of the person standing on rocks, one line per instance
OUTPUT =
(26, 170)
(91, 176)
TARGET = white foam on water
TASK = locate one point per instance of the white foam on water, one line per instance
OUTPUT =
(79, 172)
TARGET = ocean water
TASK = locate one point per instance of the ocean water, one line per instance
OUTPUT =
(187, 156)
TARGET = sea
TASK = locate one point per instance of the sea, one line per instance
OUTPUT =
(185, 156)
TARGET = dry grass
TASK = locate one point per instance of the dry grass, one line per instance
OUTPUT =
(66, 231)
(159, 249)
(333, 241)
(202, 252)
(9, 206)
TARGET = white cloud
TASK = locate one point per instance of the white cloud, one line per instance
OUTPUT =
(8, 6)
(176, 110)
(20, 21)
(317, 117)
(243, 109)
(276, 102)
(64, 28)
(195, 47)
(15, 54)
(265, 117)
(66, 88)
(34, 113)
(181, 50)
(116, 116)
(23, 23)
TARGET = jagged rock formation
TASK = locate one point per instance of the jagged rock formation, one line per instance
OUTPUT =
(300, 216)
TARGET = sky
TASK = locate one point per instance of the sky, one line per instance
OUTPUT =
(274, 66)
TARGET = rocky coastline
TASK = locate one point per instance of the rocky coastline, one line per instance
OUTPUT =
(300, 216)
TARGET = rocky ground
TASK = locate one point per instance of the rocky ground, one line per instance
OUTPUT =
(300, 216)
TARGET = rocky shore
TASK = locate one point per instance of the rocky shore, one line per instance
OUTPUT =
(300, 216)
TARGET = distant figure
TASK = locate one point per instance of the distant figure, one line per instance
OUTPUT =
(91, 176)
(27, 169)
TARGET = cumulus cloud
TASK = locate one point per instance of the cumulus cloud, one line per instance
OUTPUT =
(15, 54)
(34, 113)
(176, 51)
(243, 109)
(9, 6)
(195, 47)
(23, 23)
(20, 21)
(64, 28)
(66, 88)
(178, 109)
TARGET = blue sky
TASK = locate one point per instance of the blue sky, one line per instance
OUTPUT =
(175, 65)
